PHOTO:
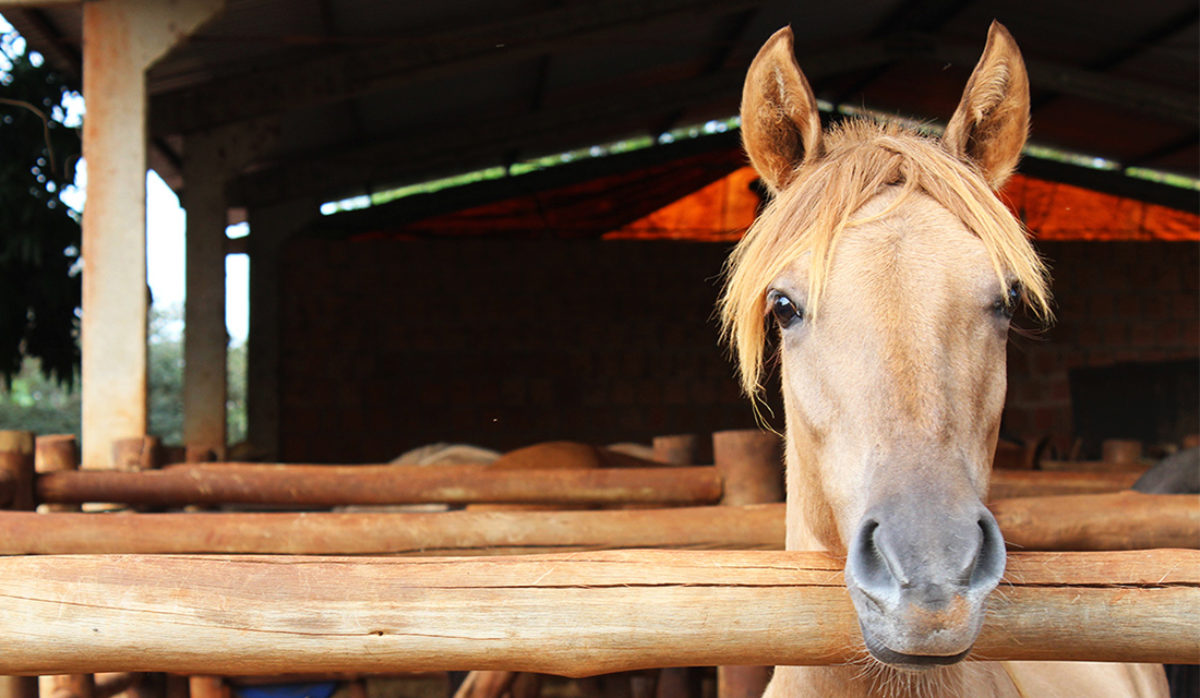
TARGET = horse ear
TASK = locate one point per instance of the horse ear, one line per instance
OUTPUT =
(992, 120)
(781, 128)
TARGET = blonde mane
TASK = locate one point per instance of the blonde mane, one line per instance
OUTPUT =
(808, 216)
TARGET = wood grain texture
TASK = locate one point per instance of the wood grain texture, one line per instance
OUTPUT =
(1120, 521)
(324, 486)
(573, 614)
(457, 533)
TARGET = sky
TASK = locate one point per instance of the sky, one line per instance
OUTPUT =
(165, 235)
(165, 238)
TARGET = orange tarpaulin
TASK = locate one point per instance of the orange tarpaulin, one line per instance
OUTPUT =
(1055, 211)
(724, 209)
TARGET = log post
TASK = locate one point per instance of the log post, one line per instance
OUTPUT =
(18, 687)
(208, 687)
(16, 492)
(137, 454)
(66, 686)
(676, 449)
(16, 470)
(751, 463)
(56, 453)
(1123, 451)
(751, 466)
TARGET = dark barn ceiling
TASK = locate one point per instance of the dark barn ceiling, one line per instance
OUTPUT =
(357, 96)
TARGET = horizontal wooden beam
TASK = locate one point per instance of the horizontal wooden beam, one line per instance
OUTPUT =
(1010, 484)
(756, 527)
(1121, 521)
(326, 486)
(576, 614)
(394, 64)
(1087, 522)
(331, 485)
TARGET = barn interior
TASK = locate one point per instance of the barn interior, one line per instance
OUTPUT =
(504, 222)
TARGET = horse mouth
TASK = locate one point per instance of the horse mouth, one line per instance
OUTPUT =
(912, 662)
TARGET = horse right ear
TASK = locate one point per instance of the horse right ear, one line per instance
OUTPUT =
(991, 123)
(781, 128)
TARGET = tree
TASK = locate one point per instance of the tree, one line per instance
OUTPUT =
(39, 235)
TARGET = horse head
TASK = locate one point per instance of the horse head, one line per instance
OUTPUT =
(890, 272)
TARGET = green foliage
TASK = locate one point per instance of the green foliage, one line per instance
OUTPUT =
(39, 404)
(39, 236)
(166, 380)
(36, 403)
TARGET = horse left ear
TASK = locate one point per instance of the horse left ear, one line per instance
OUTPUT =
(992, 120)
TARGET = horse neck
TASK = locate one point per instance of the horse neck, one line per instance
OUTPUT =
(809, 524)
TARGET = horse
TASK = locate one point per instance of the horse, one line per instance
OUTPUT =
(885, 272)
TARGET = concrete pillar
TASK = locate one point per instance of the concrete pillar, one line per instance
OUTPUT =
(209, 160)
(121, 39)
(270, 228)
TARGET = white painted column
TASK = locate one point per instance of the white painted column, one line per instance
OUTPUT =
(209, 160)
(121, 39)
(204, 334)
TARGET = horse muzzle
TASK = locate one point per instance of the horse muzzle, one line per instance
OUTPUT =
(919, 586)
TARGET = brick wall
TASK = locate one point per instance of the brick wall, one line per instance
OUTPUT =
(389, 345)
(1117, 303)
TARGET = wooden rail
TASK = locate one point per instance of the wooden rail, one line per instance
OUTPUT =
(573, 614)
(1120, 521)
(326, 486)
(330, 485)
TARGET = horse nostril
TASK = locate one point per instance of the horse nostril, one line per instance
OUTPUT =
(989, 563)
(867, 563)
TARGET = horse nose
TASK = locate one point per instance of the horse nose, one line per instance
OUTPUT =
(897, 562)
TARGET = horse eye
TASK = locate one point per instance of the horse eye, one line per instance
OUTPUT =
(784, 310)
(1007, 305)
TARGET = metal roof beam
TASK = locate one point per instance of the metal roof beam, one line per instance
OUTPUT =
(331, 78)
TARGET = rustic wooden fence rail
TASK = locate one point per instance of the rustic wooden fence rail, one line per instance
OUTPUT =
(325, 486)
(1119, 521)
(330, 485)
(571, 614)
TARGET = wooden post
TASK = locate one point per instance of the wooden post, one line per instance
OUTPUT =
(207, 687)
(56, 453)
(16, 470)
(16, 492)
(137, 454)
(1123, 451)
(573, 614)
(751, 463)
(132, 455)
(751, 466)
(18, 687)
(676, 449)
(66, 686)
